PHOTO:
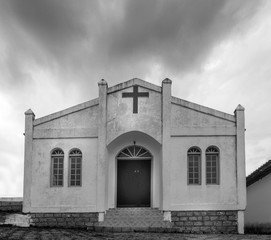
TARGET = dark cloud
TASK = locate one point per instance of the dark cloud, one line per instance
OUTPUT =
(178, 34)
(57, 25)
(85, 40)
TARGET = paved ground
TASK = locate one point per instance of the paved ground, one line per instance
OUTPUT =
(13, 233)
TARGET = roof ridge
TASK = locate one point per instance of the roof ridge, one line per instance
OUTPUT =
(69, 110)
(131, 82)
(203, 109)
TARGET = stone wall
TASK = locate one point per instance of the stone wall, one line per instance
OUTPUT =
(69, 220)
(205, 221)
(10, 206)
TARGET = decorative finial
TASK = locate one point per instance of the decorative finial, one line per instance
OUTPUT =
(29, 112)
(102, 82)
(167, 80)
(240, 108)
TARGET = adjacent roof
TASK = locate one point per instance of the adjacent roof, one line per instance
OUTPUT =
(260, 173)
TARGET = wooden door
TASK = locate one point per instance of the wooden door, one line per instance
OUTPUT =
(133, 183)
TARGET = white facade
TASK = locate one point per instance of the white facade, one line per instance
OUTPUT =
(164, 125)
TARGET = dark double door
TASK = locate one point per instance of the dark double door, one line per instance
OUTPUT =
(133, 183)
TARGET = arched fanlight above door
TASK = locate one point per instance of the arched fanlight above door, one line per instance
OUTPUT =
(134, 152)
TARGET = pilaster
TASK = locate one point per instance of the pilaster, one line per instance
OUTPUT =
(240, 152)
(166, 152)
(28, 147)
(241, 222)
(102, 163)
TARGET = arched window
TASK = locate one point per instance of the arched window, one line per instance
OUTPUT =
(194, 165)
(75, 168)
(134, 152)
(212, 165)
(57, 166)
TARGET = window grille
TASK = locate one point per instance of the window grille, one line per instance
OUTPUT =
(194, 165)
(75, 165)
(212, 165)
(57, 161)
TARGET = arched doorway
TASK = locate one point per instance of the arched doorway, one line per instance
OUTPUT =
(134, 177)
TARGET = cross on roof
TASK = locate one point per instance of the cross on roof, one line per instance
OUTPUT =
(135, 95)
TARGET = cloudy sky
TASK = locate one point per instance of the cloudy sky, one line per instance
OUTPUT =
(53, 53)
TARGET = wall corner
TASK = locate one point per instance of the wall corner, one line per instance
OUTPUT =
(240, 156)
(28, 148)
(166, 146)
(241, 222)
(102, 163)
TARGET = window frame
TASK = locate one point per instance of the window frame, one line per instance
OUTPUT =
(196, 153)
(217, 154)
(70, 168)
(52, 156)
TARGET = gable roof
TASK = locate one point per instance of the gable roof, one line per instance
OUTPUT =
(67, 111)
(174, 100)
(132, 82)
(202, 109)
(144, 84)
(259, 173)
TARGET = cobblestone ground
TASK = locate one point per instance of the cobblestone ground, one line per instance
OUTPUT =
(68, 234)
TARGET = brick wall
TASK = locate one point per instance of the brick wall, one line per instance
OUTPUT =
(205, 221)
(11, 206)
(76, 220)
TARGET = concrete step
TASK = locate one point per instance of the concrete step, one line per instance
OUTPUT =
(134, 218)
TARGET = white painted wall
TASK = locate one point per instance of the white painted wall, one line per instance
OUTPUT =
(86, 118)
(196, 127)
(72, 130)
(121, 119)
(203, 197)
(63, 199)
(258, 209)
(182, 117)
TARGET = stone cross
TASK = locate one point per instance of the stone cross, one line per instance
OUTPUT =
(135, 95)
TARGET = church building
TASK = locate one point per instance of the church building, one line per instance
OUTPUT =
(136, 147)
